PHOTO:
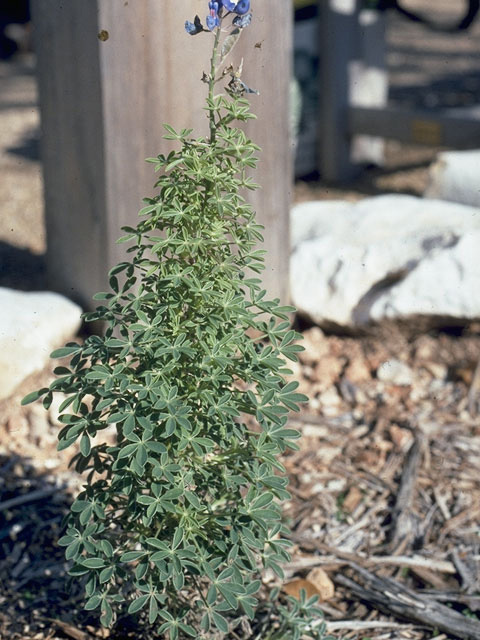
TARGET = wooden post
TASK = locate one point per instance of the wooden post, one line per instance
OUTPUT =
(103, 102)
(339, 48)
(369, 82)
(353, 72)
(267, 49)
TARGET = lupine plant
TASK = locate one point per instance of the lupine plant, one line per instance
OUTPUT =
(181, 510)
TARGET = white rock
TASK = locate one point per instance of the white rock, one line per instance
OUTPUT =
(31, 326)
(455, 177)
(395, 372)
(444, 283)
(306, 222)
(352, 263)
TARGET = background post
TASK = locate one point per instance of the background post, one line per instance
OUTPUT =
(353, 74)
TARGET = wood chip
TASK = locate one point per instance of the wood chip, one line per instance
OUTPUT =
(317, 583)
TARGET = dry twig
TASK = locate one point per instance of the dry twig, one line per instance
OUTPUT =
(393, 598)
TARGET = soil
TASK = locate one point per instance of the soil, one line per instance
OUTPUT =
(385, 484)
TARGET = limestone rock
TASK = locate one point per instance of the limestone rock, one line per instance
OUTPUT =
(32, 325)
(307, 223)
(444, 284)
(387, 257)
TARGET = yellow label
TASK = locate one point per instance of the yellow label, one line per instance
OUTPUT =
(427, 132)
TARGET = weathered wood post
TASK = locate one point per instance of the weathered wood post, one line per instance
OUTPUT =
(353, 73)
(103, 102)
(338, 48)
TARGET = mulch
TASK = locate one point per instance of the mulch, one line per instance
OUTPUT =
(385, 506)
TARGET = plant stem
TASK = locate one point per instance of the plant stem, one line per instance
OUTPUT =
(211, 84)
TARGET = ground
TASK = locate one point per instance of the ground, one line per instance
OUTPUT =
(385, 486)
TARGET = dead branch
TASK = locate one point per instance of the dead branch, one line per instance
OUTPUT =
(403, 524)
(469, 573)
(474, 392)
(390, 596)
(356, 625)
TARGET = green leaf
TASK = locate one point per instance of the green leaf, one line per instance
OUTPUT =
(228, 594)
(262, 501)
(93, 563)
(220, 622)
(138, 604)
(64, 444)
(205, 623)
(192, 499)
(96, 375)
(107, 614)
(170, 426)
(141, 570)
(130, 556)
(66, 403)
(85, 446)
(172, 494)
(186, 628)
(156, 447)
(141, 455)
(292, 434)
(127, 451)
(153, 611)
(34, 395)
(106, 575)
(79, 505)
(178, 581)
(64, 541)
(65, 351)
(107, 548)
(147, 210)
(115, 343)
(158, 544)
(248, 605)
(171, 131)
(173, 164)
(177, 537)
(73, 551)
(166, 615)
(77, 570)
(93, 602)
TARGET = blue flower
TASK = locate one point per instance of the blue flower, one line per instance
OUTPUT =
(240, 8)
(192, 28)
(213, 19)
(242, 21)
